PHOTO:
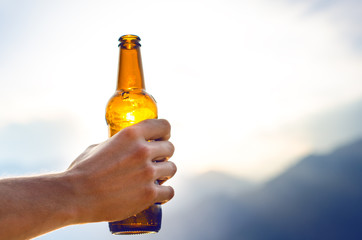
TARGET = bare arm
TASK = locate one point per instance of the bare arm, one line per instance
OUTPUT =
(34, 205)
(108, 182)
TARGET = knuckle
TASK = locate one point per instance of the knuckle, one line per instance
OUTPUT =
(143, 151)
(131, 132)
(150, 192)
(149, 172)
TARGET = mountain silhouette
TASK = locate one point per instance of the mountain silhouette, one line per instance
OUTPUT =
(320, 197)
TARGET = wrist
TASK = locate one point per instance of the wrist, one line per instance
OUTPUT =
(72, 203)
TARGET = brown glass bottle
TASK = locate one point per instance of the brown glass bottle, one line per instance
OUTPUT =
(129, 105)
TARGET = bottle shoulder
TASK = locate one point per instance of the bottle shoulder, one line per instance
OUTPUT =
(138, 97)
(133, 106)
(130, 95)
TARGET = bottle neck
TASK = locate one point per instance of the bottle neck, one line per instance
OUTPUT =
(130, 72)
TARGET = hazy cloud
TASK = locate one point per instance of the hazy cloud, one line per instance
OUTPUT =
(37, 146)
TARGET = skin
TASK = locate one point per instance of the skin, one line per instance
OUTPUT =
(109, 181)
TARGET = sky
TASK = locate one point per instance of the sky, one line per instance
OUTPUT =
(236, 79)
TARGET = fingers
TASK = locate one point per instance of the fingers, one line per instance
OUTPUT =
(155, 129)
(155, 154)
(165, 194)
(164, 171)
(154, 192)
(161, 150)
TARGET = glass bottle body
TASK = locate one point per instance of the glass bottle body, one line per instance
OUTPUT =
(125, 108)
(129, 105)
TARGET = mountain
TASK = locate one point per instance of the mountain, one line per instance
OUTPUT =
(318, 198)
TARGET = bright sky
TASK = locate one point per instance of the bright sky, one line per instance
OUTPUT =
(229, 75)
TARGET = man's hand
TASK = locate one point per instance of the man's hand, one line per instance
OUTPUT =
(116, 179)
(108, 182)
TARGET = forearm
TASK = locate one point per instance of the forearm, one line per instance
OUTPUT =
(31, 206)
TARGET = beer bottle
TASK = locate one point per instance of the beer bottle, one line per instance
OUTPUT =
(131, 104)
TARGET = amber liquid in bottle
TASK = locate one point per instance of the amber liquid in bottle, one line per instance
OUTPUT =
(129, 105)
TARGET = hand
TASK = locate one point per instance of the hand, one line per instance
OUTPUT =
(116, 179)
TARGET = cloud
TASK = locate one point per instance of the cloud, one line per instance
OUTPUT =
(346, 15)
(38, 146)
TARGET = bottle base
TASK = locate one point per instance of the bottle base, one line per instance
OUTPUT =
(132, 230)
(147, 221)
(132, 233)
